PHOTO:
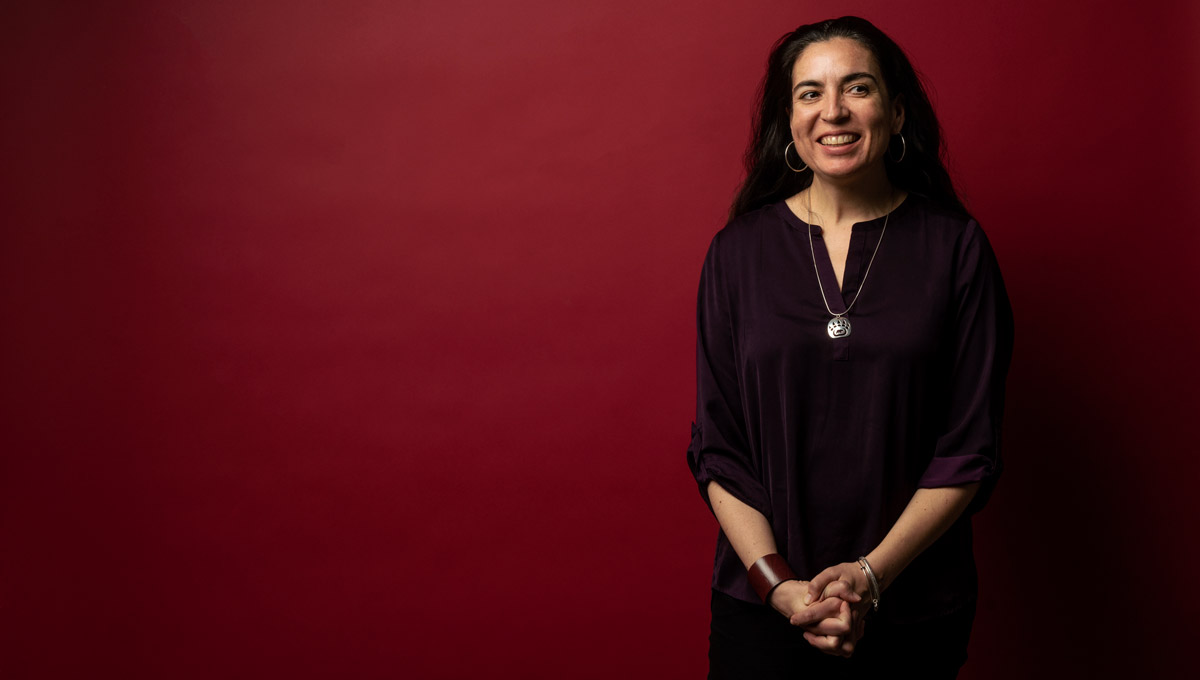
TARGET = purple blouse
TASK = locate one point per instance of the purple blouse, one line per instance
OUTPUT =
(829, 438)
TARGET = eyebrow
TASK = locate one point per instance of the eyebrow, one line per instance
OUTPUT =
(846, 79)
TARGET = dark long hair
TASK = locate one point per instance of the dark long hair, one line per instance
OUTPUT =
(922, 171)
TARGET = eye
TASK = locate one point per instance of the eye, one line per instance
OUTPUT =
(859, 89)
(808, 95)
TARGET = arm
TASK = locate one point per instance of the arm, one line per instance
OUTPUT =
(720, 456)
(750, 535)
(926, 517)
(720, 448)
(746, 528)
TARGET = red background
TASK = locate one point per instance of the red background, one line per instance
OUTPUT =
(356, 339)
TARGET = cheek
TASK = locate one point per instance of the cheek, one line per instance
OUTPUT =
(797, 124)
(881, 128)
(884, 121)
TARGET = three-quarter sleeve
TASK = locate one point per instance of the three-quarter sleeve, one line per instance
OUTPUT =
(719, 449)
(968, 448)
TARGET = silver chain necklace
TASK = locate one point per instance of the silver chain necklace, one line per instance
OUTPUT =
(839, 325)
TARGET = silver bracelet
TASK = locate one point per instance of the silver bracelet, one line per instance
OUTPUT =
(871, 581)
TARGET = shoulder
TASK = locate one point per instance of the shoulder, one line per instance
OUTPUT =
(955, 230)
(961, 241)
(937, 217)
(736, 248)
(747, 231)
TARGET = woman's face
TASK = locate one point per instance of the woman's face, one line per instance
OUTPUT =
(841, 118)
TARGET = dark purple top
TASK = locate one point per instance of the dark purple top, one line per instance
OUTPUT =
(829, 438)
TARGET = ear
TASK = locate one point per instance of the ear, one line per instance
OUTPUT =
(897, 113)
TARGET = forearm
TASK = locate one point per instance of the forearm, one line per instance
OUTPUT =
(750, 535)
(928, 515)
(746, 528)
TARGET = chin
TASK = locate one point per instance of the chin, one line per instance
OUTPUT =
(841, 173)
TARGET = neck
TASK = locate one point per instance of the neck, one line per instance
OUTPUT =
(845, 202)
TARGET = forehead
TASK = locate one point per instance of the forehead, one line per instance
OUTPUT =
(832, 59)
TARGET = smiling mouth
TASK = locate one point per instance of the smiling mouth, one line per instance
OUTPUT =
(837, 140)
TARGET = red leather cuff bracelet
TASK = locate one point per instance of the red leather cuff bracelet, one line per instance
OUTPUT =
(767, 573)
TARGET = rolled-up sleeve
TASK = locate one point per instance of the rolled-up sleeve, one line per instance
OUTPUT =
(719, 449)
(968, 448)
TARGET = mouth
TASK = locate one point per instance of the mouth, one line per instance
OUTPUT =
(838, 140)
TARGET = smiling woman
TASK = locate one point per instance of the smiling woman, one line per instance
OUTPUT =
(842, 114)
(853, 340)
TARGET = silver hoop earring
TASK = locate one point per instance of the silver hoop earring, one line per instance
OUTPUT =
(903, 150)
(789, 163)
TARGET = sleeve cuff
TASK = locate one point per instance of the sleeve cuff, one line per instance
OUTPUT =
(955, 470)
(732, 478)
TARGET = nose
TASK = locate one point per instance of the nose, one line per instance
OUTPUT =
(834, 108)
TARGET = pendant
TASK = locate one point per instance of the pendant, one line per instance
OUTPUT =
(838, 327)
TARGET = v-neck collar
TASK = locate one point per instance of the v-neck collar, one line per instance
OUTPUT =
(856, 252)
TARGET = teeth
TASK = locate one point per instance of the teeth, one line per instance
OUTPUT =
(834, 140)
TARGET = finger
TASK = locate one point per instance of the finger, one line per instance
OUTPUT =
(846, 614)
(847, 648)
(843, 590)
(836, 621)
(812, 593)
(853, 637)
(826, 609)
(835, 627)
(829, 644)
(817, 585)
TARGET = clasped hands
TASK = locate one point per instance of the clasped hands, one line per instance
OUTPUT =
(831, 608)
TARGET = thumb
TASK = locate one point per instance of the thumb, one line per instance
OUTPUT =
(810, 615)
(812, 592)
(817, 586)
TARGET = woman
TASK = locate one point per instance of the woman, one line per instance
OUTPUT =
(853, 340)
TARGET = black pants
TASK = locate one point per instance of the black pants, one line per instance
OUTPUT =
(751, 641)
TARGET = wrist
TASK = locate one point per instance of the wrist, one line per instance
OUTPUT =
(785, 597)
(882, 567)
(767, 574)
(873, 587)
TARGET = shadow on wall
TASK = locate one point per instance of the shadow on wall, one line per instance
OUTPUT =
(1069, 578)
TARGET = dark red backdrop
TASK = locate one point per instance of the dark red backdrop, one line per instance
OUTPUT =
(356, 339)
